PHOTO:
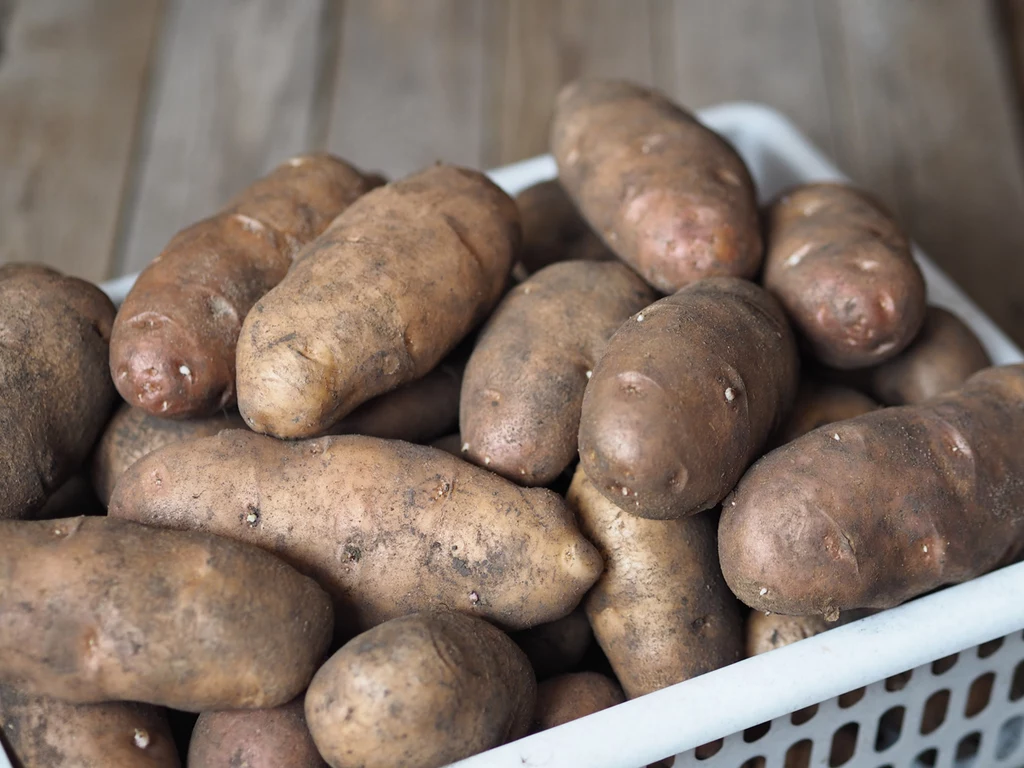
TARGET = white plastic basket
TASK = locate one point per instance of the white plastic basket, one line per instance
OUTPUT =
(747, 705)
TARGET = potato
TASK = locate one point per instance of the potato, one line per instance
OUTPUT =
(882, 507)
(377, 301)
(558, 646)
(843, 270)
(942, 357)
(48, 733)
(57, 394)
(521, 396)
(387, 527)
(133, 433)
(472, 689)
(172, 352)
(686, 395)
(96, 609)
(553, 230)
(819, 404)
(768, 631)
(420, 411)
(254, 738)
(570, 697)
(661, 611)
(670, 196)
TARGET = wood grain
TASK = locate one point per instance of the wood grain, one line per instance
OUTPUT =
(232, 96)
(543, 44)
(72, 78)
(409, 84)
(924, 115)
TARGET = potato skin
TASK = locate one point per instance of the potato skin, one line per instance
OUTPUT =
(97, 609)
(843, 270)
(715, 359)
(669, 196)
(941, 358)
(49, 733)
(377, 301)
(553, 230)
(387, 527)
(661, 610)
(819, 404)
(133, 433)
(523, 389)
(57, 396)
(570, 697)
(558, 646)
(254, 738)
(472, 690)
(883, 507)
(172, 352)
(766, 632)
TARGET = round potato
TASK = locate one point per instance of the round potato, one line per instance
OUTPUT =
(661, 611)
(558, 646)
(523, 390)
(553, 230)
(942, 357)
(472, 689)
(686, 395)
(387, 527)
(133, 433)
(96, 609)
(377, 301)
(819, 404)
(880, 508)
(57, 394)
(843, 270)
(668, 195)
(254, 738)
(48, 733)
(570, 697)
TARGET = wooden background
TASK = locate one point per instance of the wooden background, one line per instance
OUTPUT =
(123, 120)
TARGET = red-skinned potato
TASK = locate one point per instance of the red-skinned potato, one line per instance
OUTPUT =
(686, 395)
(872, 511)
(473, 689)
(843, 270)
(569, 697)
(172, 351)
(523, 389)
(254, 738)
(553, 230)
(57, 397)
(48, 733)
(377, 301)
(97, 609)
(387, 527)
(668, 195)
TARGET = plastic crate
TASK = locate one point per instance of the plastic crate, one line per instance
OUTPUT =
(844, 697)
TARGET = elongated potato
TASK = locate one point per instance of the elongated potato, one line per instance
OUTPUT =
(880, 508)
(661, 610)
(254, 738)
(843, 270)
(686, 395)
(521, 396)
(472, 689)
(669, 196)
(172, 352)
(133, 433)
(818, 404)
(57, 394)
(387, 527)
(558, 646)
(553, 230)
(570, 697)
(96, 609)
(48, 733)
(942, 357)
(376, 302)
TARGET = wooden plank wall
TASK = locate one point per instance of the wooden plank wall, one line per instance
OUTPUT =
(122, 120)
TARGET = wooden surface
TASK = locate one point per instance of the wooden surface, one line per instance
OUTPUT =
(123, 120)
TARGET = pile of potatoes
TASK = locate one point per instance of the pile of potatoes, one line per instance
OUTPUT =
(405, 471)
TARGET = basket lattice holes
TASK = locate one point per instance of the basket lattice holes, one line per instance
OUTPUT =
(963, 711)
